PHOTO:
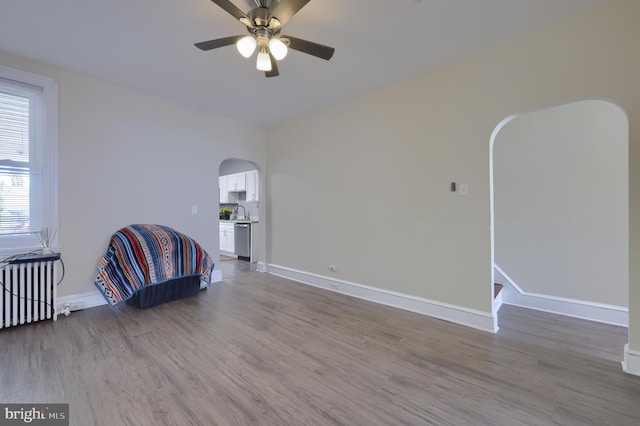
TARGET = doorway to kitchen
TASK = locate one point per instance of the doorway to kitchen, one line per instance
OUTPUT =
(239, 217)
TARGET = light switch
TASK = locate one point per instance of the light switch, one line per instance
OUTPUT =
(194, 209)
(464, 189)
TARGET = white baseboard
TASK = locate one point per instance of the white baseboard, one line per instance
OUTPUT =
(631, 363)
(607, 314)
(457, 314)
(592, 311)
(216, 276)
(261, 267)
(81, 301)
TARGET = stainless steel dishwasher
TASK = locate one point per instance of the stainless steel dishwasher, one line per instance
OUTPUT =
(242, 239)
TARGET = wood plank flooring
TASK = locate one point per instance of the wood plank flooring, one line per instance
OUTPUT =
(232, 268)
(258, 349)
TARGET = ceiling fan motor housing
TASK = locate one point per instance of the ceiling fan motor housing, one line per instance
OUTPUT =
(264, 3)
(260, 16)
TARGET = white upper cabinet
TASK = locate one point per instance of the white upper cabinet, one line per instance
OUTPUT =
(252, 185)
(230, 185)
(237, 182)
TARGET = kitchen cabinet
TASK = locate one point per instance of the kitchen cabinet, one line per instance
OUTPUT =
(227, 237)
(231, 185)
(237, 182)
(252, 185)
(224, 191)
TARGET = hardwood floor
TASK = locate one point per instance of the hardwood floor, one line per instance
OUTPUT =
(258, 349)
(231, 268)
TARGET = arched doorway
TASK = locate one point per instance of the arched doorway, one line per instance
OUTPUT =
(239, 219)
(559, 210)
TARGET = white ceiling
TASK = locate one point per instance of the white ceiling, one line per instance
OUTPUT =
(148, 45)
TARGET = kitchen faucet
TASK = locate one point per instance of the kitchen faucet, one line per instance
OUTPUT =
(244, 211)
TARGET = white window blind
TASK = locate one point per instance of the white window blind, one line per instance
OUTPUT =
(18, 214)
(28, 164)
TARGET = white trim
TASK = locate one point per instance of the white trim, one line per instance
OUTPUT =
(497, 302)
(262, 267)
(592, 311)
(80, 301)
(508, 278)
(457, 314)
(631, 363)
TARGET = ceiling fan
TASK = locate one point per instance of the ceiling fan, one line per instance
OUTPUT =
(264, 24)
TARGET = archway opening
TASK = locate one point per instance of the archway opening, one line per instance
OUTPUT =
(559, 210)
(239, 227)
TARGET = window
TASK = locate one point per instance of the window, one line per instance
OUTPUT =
(28, 160)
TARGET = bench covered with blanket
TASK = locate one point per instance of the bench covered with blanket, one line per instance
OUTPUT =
(152, 264)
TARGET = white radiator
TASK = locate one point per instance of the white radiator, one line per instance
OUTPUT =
(28, 290)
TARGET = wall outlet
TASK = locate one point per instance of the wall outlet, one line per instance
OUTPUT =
(332, 268)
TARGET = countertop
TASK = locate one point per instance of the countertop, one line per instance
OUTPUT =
(239, 221)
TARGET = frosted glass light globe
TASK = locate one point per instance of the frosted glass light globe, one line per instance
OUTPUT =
(264, 61)
(246, 46)
(278, 48)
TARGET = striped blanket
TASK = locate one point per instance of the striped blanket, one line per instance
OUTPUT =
(143, 255)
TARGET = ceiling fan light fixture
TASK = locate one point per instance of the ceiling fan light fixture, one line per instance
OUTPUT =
(263, 63)
(246, 46)
(264, 24)
(278, 48)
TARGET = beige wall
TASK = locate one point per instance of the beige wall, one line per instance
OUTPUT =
(126, 157)
(365, 184)
(561, 202)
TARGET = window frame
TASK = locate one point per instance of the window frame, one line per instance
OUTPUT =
(46, 133)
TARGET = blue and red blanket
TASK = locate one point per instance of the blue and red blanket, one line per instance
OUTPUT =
(144, 255)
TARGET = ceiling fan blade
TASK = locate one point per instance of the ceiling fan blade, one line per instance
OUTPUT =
(287, 8)
(274, 68)
(232, 9)
(309, 47)
(219, 42)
